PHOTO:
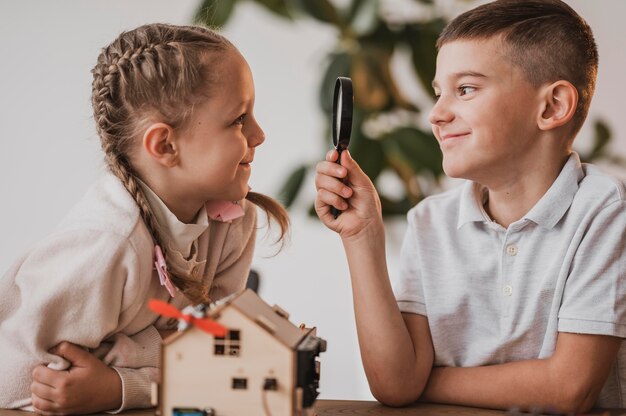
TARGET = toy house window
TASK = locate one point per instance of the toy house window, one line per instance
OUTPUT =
(228, 345)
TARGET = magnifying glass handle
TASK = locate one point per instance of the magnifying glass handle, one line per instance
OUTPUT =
(336, 212)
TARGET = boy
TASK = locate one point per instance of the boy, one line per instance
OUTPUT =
(512, 290)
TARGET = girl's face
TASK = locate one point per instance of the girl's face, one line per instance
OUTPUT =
(217, 146)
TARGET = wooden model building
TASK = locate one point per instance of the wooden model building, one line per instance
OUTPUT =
(263, 365)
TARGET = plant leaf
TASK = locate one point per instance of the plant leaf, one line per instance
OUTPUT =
(422, 38)
(363, 15)
(370, 90)
(292, 185)
(367, 152)
(418, 149)
(339, 65)
(214, 13)
(278, 7)
(374, 86)
(390, 207)
(601, 139)
(322, 10)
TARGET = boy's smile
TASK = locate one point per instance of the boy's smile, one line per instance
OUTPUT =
(486, 111)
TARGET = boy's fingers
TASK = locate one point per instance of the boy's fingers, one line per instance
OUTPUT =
(330, 198)
(333, 185)
(356, 175)
(331, 155)
(331, 169)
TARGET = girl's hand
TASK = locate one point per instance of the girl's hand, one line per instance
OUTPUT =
(88, 386)
(357, 198)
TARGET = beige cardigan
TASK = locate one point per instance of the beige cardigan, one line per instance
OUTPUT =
(89, 282)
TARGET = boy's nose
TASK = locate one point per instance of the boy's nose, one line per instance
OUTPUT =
(440, 113)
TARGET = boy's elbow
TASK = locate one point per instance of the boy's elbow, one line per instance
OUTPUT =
(397, 395)
(395, 398)
(576, 400)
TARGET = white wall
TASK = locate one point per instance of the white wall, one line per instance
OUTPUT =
(50, 152)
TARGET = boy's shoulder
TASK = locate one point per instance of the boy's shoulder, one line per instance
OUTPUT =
(598, 184)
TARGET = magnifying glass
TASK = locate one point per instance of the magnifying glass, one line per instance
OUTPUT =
(342, 120)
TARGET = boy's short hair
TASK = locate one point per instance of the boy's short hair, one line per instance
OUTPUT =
(547, 39)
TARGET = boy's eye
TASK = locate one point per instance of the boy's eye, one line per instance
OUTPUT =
(465, 89)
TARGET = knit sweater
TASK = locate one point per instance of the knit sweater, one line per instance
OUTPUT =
(89, 283)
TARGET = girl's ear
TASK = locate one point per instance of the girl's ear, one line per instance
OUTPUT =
(559, 102)
(159, 142)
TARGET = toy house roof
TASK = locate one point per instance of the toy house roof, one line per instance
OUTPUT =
(273, 319)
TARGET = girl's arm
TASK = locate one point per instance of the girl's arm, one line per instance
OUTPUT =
(78, 286)
(88, 386)
(396, 349)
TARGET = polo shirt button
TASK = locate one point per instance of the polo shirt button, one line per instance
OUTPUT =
(511, 250)
(507, 290)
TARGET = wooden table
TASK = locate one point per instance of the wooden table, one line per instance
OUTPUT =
(357, 407)
(354, 407)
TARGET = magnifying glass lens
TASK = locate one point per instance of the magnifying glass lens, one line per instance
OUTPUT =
(338, 118)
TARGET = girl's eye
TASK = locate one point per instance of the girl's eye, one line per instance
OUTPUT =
(239, 120)
(465, 89)
(436, 96)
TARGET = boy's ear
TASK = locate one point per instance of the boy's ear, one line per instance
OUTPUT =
(559, 104)
(159, 142)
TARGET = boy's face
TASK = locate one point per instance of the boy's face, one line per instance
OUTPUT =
(485, 117)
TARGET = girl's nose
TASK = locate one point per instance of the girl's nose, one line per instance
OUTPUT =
(440, 113)
(256, 136)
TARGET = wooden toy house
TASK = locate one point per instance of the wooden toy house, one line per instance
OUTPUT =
(264, 365)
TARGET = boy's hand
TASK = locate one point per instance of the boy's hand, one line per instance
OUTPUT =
(357, 198)
(88, 386)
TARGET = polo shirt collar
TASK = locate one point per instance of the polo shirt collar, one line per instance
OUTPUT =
(471, 208)
(547, 211)
(557, 200)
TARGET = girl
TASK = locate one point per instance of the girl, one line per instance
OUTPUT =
(173, 107)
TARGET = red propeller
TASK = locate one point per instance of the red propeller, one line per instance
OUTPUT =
(170, 311)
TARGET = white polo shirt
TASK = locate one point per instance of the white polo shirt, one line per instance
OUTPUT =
(494, 295)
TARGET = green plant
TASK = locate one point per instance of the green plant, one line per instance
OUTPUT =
(386, 136)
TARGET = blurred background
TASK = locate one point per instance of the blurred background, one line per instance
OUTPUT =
(51, 152)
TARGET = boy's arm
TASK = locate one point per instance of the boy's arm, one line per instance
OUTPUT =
(567, 382)
(396, 349)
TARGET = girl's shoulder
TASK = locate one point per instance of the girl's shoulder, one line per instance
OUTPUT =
(106, 206)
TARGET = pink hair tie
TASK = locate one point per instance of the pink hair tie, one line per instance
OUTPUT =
(161, 267)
